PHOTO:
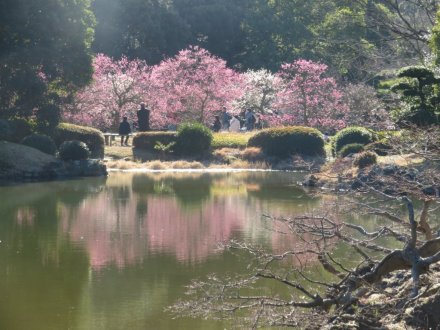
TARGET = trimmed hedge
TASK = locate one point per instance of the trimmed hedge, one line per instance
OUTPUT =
(148, 140)
(93, 138)
(285, 141)
(351, 135)
(352, 148)
(365, 159)
(41, 142)
(74, 150)
(193, 139)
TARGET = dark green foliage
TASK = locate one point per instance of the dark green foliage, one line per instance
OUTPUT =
(352, 148)
(48, 118)
(351, 135)
(44, 51)
(193, 139)
(93, 138)
(382, 148)
(148, 140)
(74, 150)
(5, 130)
(416, 71)
(365, 159)
(286, 141)
(41, 142)
(419, 92)
(20, 128)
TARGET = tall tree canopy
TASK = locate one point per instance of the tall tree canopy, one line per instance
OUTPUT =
(44, 49)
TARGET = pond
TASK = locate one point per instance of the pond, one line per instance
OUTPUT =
(112, 253)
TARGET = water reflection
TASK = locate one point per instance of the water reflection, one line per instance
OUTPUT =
(185, 216)
(112, 253)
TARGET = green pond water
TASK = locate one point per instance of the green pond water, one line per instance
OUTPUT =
(112, 253)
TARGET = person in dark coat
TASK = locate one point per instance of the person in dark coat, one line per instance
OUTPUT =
(217, 124)
(124, 131)
(143, 119)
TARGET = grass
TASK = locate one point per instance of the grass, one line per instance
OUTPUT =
(231, 140)
(118, 152)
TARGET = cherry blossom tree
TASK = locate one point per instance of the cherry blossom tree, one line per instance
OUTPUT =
(259, 90)
(308, 98)
(193, 86)
(117, 89)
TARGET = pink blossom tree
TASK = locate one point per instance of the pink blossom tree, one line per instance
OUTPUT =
(117, 89)
(308, 98)
(193, 86)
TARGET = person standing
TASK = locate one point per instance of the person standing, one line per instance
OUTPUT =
(250, 119)
(124, 131)
(217, 124)
(225, 119)
(143, 119)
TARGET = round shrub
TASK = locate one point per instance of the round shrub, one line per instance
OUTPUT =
(193, 139)
(41, 142)
(148, 140)
(365, 159)
(352, 148)
(351, 135)
(286, 141)
(74, 150)
(93, 138)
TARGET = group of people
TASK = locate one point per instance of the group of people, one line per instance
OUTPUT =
(143, 115)
(225, 122)
(230, 123)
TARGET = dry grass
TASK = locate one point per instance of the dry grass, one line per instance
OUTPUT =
(400, 160)
(156, 165)
(244, 164)
(252, 154)
(122, 164)
(182, 164)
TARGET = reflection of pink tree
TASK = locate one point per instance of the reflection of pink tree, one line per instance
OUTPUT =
(308, 98)
(123, 228)
(115, 235)
(193, 86)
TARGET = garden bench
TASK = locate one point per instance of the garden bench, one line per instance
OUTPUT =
(109, 138)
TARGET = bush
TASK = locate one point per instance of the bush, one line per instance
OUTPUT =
(93, 138)
(351, 135)
(5, 130)
(41, 142)
(20, 128)
(74, 150)
(365, 159)
(352, 148)
(193, 139)
(285, 141)
(148, 140)
(382, 148)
